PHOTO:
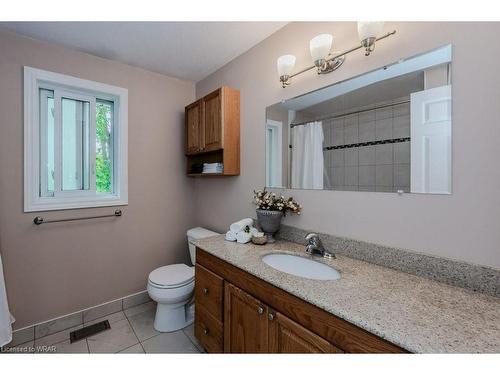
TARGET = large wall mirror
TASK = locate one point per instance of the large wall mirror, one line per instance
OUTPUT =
(388, 130)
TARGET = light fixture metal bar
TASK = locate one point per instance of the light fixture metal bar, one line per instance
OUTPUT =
(343, 54)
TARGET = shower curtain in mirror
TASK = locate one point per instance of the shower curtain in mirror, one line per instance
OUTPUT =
(307, 156)
(6, 319)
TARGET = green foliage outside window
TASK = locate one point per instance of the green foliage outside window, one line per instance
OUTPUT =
(103, 162)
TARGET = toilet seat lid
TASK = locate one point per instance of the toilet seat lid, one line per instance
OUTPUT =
(172, 275)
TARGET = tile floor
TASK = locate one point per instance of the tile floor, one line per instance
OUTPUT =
(131, 332)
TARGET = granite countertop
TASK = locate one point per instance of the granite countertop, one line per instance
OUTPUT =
(415, 313)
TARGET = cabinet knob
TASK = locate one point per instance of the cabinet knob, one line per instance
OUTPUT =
(271, 316)
(205, 290)
(260, 310)
(205, 331)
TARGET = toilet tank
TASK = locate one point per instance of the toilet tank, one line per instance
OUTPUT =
(196, 234)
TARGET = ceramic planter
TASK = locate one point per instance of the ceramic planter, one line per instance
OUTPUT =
(269, 222)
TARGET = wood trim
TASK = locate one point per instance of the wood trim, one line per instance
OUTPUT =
(337, 331)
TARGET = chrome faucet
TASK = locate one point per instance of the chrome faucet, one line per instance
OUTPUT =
(314, 246)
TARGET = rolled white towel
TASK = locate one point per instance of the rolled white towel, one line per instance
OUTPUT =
(230, 236)
(240, 225)
(243, 237)
(253, 231)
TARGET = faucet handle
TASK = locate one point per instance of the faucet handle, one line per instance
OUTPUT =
(311, 236)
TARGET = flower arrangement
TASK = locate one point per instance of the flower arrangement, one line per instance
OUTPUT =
(269, 201)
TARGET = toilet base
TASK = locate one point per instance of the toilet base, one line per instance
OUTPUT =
(172, 317)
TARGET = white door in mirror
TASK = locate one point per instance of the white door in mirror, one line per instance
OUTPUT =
(431, 141)
(302, 267)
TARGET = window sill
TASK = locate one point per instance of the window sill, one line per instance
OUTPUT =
(52, 204)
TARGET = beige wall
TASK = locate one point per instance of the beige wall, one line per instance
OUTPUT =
(56, 269)
(464, 225)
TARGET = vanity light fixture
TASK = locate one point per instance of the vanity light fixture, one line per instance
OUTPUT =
(320, 47)
(285, 66)
(368, 32)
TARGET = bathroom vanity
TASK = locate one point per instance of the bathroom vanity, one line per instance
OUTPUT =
(245, 306)
(237, 312)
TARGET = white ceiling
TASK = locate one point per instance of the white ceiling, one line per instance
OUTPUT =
(186, 50)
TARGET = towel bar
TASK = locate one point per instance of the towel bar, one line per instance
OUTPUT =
(40, 220)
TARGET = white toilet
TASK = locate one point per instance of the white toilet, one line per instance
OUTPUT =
(172, 288)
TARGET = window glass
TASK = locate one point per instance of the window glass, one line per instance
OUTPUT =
(46, 143)
(104, 146)
(75, 144)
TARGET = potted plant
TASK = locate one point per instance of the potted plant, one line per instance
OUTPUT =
(270, 210)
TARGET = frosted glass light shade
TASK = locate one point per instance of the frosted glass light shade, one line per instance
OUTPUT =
(320, 46)
(369, 29)
(285, 65)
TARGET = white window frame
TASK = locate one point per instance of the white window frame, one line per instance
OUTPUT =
(274, 180)
(34, 79)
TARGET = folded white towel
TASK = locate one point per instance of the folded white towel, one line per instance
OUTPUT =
(243, 237)
(212, 165)
(253, 231)
(240, 225)
(210, 171)
(230, 236)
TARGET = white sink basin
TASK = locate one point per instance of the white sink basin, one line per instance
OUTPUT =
(302, 267)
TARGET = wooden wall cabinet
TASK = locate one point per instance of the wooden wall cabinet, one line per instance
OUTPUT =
(213, 131)
(239, 313)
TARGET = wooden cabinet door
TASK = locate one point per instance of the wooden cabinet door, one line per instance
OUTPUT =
(194, 127)
(287, 336)
(245, 322)
(212, 132)
(209, 291)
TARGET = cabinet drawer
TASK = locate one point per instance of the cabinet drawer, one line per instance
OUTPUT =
(209, 292)
(208, 331)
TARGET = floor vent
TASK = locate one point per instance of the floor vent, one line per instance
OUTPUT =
(88, 331)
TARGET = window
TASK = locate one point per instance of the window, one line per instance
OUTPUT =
(75, 142)
(274, 151)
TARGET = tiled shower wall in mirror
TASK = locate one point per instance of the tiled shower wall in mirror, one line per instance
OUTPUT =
(354, 166)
